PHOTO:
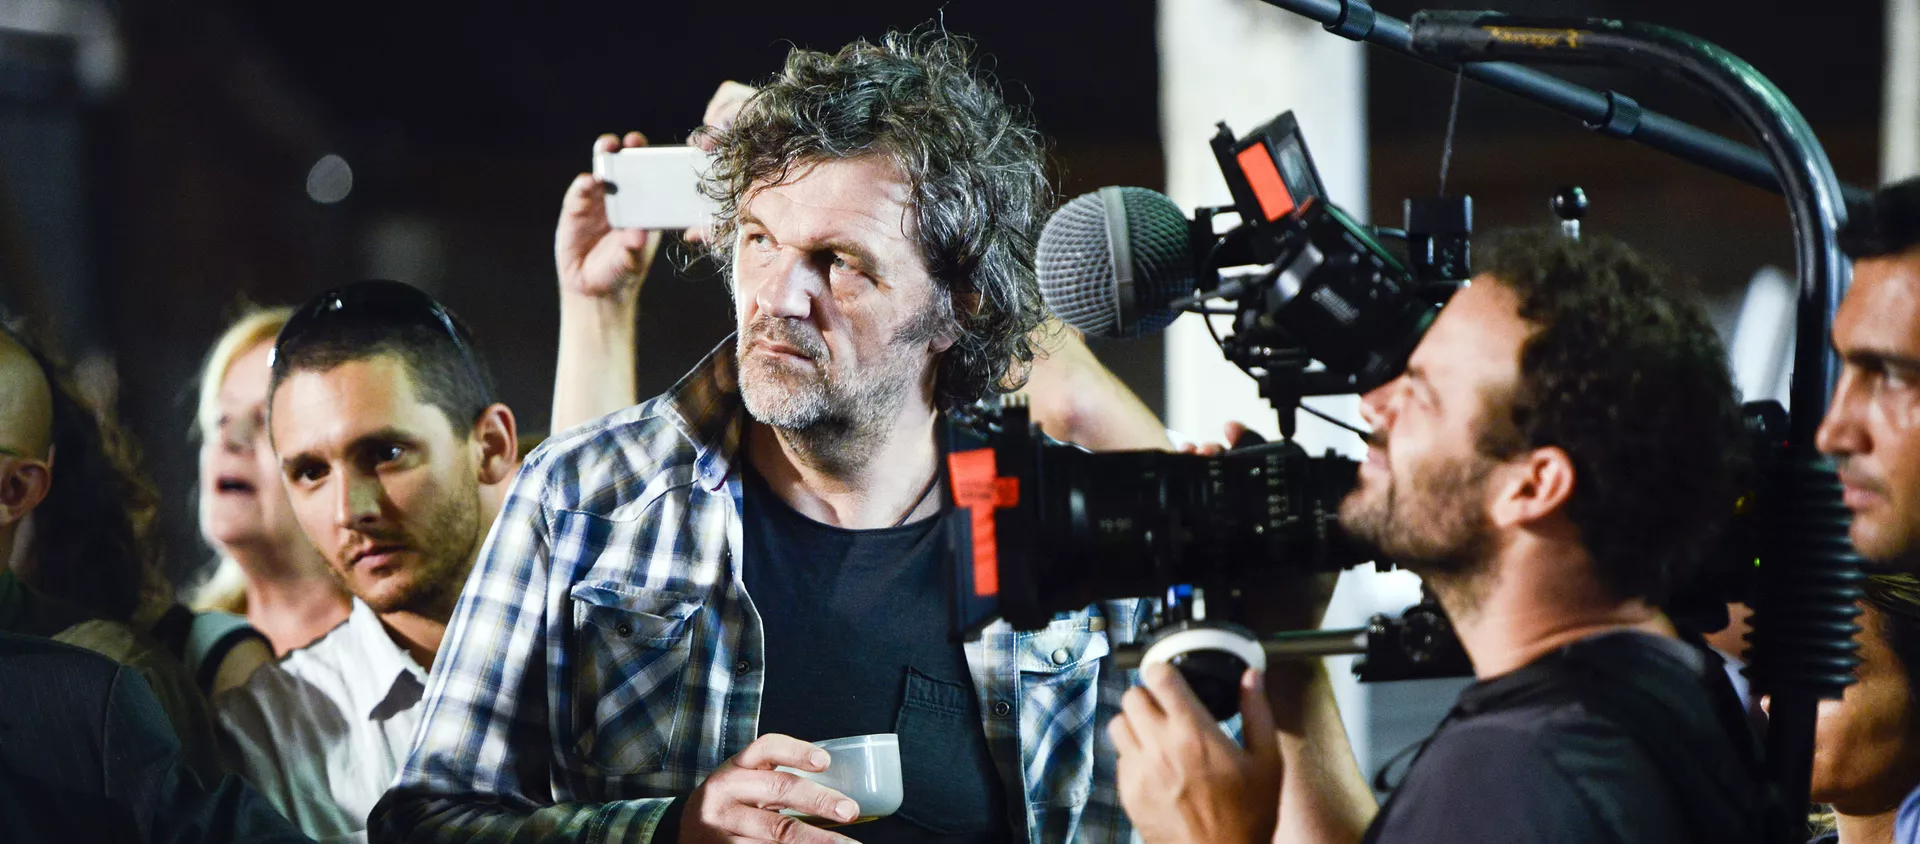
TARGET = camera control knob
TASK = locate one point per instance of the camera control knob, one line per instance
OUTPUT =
(1570, 205)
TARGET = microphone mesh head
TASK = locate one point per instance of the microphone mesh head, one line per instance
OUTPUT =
(1162, 269)
(1075, 263)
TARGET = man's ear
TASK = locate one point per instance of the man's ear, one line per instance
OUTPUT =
(966, 303)
(1539, 484)
(24, 486)
(942, 342)
(499, 441)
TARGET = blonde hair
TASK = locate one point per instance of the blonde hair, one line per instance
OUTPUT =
(225, 590)
(255, 325)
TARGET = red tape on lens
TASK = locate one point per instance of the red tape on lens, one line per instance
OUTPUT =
(978, 487)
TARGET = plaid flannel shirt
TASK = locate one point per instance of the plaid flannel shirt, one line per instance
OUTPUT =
(605, 658)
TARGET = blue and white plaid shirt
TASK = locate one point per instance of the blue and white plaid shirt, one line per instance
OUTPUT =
(605, 657)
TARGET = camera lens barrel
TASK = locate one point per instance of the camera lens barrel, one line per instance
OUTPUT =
(1127, 524)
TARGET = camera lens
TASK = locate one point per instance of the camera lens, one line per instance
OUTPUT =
(1125, 524)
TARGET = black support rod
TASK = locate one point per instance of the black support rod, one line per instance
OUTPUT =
(1803, 174)
(1606, 112)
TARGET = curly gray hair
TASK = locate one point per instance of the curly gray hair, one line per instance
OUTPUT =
(975, 167)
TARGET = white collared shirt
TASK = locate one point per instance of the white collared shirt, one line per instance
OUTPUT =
(323, 731)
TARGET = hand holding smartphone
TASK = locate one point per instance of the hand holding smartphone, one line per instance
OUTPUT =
(655, 187)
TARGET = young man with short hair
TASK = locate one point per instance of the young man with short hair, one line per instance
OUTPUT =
(1870, 426)
(396, 458)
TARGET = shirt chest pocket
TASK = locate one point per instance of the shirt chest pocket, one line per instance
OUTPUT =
(1063, 654)
(1060, 675)
(633, 647)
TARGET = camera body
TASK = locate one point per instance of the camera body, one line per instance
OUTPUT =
(1319, 306)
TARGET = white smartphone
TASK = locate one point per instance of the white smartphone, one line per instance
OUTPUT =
(655, 187)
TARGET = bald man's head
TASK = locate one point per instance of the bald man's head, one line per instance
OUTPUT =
(26, 401)
(26, 436)
(90, 542)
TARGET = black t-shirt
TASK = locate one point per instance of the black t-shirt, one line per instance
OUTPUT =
(1624, 737)
(857, 643)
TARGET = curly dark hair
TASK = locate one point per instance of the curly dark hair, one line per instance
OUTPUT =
(975, 166)
(93, 539)
(1625, 374)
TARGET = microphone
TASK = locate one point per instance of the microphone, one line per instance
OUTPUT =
(1111, 262)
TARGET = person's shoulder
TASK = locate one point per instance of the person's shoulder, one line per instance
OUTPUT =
(1541, 733)
(26, 659)
(1524, 734)
(72, 689)
(612, 459)
(316, 668)
(1509, 775)
(301, 692)
(126, 646)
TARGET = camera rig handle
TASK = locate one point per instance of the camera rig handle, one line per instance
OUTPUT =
(1418, 645)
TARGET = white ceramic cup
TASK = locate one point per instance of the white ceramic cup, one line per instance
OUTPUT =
(864, 768)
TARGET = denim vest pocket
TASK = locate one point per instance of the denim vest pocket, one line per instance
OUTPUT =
(1060, 678)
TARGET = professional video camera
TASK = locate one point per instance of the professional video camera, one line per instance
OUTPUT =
(1320, 307)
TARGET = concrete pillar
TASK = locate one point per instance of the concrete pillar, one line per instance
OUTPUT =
(1244, 62)
(1900, 118)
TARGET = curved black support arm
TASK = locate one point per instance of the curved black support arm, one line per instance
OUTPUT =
(1807, 597)
(1605, 111)
(1806, 177)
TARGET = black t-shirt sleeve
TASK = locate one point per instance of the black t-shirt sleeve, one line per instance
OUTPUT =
(1529, 776)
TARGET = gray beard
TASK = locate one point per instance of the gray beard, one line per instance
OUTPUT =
(831, 424)
(827, 426)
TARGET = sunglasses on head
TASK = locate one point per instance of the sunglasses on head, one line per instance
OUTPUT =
(378, 302)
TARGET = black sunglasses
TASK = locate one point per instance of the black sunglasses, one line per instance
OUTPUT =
(375, 302)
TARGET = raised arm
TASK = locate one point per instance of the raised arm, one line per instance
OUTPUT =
(1078, 400)
(600, 270)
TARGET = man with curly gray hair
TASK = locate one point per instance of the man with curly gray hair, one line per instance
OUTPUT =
(681, 599)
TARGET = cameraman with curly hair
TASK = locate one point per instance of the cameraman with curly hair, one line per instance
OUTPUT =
(1554, 463)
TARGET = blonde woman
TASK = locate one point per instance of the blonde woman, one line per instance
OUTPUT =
(268, 571)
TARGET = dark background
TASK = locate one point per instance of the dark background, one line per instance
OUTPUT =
(133, 225)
